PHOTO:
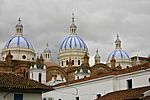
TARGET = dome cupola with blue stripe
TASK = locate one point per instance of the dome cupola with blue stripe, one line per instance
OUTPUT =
(72, 46)
(119, 55)
(19, 46)
(73, 41)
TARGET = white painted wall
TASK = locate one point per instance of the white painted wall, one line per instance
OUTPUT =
(139, 79)
(85, 91)
(34, 74)
(18, 53)
(26, 96)
(88, 90)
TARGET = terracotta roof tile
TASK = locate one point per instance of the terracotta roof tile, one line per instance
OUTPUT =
(129, 94)
(13, 82)
(117, 72)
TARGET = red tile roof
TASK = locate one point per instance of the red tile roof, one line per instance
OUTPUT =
(12, 82)
(129, 94)
(117, 72)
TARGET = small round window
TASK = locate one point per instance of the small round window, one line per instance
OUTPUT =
(24, 57)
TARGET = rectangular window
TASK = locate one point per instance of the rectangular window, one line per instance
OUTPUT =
(77, 98)
(18, 96)
(149, 80)
(78, 62)
(129, 83)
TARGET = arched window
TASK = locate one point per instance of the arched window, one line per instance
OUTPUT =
(66, 62)
(78, 62)
(40, 77)
(62, 63)
(72, 62)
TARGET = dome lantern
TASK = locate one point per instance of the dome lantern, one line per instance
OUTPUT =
(73, 27)
(19, 28)
(97, 57)
(118, 42)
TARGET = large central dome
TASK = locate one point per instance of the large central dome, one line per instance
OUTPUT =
(73, 42)
(73, 47)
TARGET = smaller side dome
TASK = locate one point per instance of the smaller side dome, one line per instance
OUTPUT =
(118, 54)
(47, 49)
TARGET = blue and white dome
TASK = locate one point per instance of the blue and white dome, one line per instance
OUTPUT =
(47, 49)
(121, 57)
(118, 55)
(73, 42)
(19, 46)
(18, 42)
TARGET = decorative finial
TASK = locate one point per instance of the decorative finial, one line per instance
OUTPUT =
(73, 18)
(73, 27)
(47, 44)
(117, 36)
(97, 51)
(19, 20)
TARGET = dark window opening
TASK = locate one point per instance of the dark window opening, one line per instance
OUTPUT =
(40, 77)
(149, 80)
(129, 83)
(18, 96)
(72, 62)
(44, 98)
(24, 57)
(67, 62)
(84, 76)
(98, 95)
(77, 98)
(78, 62)
(33, 58)
(62, 63)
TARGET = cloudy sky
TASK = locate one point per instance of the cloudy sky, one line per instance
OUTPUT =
(98, 22)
